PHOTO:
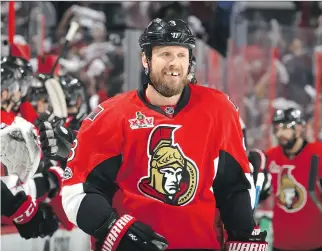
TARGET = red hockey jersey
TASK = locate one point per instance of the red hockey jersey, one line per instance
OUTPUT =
(167, 164)
(297, 223)
(28, 112)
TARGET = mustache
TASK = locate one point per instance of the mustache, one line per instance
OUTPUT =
(283, 139)
(172, 69)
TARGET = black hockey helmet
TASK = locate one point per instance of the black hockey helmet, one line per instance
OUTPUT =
(18, 61)
(8, 79)
(290, 116)
(73, 89)
(23, 70)
(38, 90)
(173, 32)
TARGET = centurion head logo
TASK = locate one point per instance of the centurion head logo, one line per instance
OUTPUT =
(291, 195)
(172, 177)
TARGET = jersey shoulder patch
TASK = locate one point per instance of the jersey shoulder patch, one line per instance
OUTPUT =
(93, 115)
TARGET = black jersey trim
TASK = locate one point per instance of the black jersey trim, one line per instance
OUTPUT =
(183, 101)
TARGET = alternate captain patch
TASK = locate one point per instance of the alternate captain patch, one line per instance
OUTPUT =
(95, 113)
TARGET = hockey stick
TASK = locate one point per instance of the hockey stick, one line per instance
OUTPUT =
(55, 91)
(312, 181)
(57, 98)
(69, 37)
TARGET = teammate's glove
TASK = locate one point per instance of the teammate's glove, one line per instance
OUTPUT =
(31, 219)
(239, 241)
(262, 178)
(125, 233)
(55, 142)
(55, 178)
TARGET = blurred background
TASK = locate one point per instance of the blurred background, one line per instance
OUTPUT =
(264, 55)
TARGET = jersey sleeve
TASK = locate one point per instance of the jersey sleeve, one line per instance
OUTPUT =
(233, 186)
(28, 112)
(90, 174)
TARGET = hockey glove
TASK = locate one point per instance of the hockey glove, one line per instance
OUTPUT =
(55, 142)
(31, 219)
(125, 233)
(55, 179)
(239, 241)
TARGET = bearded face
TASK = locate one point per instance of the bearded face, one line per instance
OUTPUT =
(286, 135)
(169, 69)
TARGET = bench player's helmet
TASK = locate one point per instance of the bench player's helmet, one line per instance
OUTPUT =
(38, 92)
(74, 90)
(9, 82)
(24, 71)
(166, 33)
(290, 117)
(76, 100)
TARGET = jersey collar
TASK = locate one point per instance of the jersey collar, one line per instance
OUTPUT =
(183, 101)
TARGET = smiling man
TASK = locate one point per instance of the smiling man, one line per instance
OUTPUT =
(149, 167)
(295, 212)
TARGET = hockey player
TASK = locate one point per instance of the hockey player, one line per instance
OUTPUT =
(23, 75)
(297, 222)
(149, 167)
(18, 196)
(56, 140)
(9, 94)
(38, 95)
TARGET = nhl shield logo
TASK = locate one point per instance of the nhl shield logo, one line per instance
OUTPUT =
(172, 177)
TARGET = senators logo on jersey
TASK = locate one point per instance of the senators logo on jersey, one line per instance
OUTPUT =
(291, 195)
(172, 177)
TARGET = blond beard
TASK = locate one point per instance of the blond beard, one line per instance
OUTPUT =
(167, 89)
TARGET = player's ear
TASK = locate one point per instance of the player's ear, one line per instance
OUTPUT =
(144, 60)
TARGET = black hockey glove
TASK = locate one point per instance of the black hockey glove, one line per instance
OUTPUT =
(238, 240)
(31, 219)
(125, 233)
(56, 142)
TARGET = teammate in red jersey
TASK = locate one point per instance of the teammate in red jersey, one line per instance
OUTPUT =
(24, 76)
(9, 93)
(297, 222)
(32, 219)
(149, 167)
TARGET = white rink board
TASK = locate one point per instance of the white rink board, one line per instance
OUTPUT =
(62, 240)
